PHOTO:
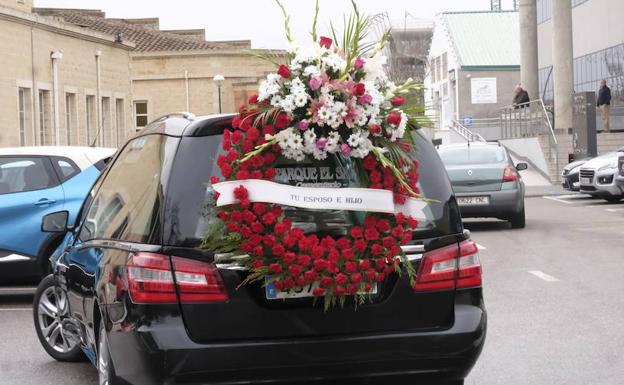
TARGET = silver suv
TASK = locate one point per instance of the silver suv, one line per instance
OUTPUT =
(598, 177)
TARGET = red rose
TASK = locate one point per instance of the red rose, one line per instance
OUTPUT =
(253, 133)
(371, 234)
(241, 193)
(333, 255)
(236, 137)
(397, 101)
(232, 227)
(252, 99)
(377, 249)
(241, 175)
(278, 250)
(341, 279)
(365, 265)
(268, 129)
(318, 292)
(326, 42)
(333, 267)
(275, 268)
(326, 281)
(369, 163)
(248, 145)
(246, 123)
(223, 215)
(289, 283)
(269, 157)
(368, 287)
(356, 278)
(389, 269)
(375, 129)
(282, 121)
(248, 217)
(258, 251)
(356, 232)
(400, 218)
(397, 232)
(214, 179)
(284, 71)
(268, 218)
(370, 274)
(343, 243)
(300, 281)
(350, 267)
(281, 227)
(388, 242)
(259, 208)
(352, 289)
(304, 259)
(317, 252)
(236, 122)
(269, 173)
(310, 276)
(348, 253)
(256, 264)
(380, 277)
(237, 216)
(256, 174)
(257, 227)
(412, 223)
(360, 245)
(359, 89)
(295, 270)
(320, 264)
(383, 225)
(268, 240)
(394, 118)
(380, 264)
(289, 257)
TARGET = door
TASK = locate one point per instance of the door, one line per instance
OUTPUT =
(29, 189)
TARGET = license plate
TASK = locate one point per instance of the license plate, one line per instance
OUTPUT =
(301, 292)
(473, 201)
(585, 180)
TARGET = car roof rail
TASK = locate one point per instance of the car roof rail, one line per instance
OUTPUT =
(184, 114)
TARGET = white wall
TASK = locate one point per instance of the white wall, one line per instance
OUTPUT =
(597, 24)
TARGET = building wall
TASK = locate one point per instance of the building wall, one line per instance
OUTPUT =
(160, 79)
(22, 5)
(506, 80)
(26, 49)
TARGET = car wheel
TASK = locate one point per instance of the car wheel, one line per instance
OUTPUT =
(57, 333)
(106, 372)
(613, 198)
(518, 220)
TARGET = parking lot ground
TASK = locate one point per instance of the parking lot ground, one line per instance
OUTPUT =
(553, 292)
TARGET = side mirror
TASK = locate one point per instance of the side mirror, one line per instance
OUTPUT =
(522, 166)
(55, 222)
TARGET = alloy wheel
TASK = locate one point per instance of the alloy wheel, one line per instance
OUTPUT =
(53, 317)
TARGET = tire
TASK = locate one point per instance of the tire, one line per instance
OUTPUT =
(57, 334)
(518, 220)
(613, 198)
(106, 371)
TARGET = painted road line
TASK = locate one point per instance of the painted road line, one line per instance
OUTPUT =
(481, 247)
(544, 276)
(573, 196)
(15, 308)
(557, 200)
(614, 210)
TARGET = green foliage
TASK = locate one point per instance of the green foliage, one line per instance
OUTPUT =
(314, 22)
(218, 239)
(289, 36)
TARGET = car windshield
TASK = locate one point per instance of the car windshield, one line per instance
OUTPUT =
(471, 155)
(190, 207)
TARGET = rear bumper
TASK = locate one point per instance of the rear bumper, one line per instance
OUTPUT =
(163, 352)
(502, 204)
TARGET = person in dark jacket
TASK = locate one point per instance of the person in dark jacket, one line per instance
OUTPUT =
(604, 104)
(521, 97)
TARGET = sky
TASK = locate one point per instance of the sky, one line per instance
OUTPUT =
(261, 20)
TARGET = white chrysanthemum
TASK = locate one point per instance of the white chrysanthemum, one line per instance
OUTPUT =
(311, 71)
(269, 87)
(307, 55)
(334, 62)
(374, 67)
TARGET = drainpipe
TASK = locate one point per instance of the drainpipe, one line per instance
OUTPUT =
(35, 99)
(98, 98)
(188, 101)
(56, 56)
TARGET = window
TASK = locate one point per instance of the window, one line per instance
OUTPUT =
(24, 112)
(127, 204)
(106, 121)
(140, 114)
(70, 116)
(444, 66)
(472, 155)
(66, 168)
(19, 174)
(91, 119)
(45, 134)
(120, 127)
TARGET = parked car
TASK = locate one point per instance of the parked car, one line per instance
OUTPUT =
(35, 181)
(597, 177)
(485, 181)
(147, 305)
(570, 175)
(619, 179)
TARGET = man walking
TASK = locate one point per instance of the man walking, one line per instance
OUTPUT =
(604, 103)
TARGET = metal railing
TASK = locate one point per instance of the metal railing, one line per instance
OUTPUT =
(530, 119)
(465, 133)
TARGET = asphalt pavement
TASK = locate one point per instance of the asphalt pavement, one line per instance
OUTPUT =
(553, 292)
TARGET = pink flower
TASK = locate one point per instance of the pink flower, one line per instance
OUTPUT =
(358, 63)
(321, 143)
(365, 99)
(303, 125)
(345, 150)
(315, 83)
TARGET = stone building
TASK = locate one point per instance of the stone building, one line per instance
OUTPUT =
(53, 75)
(73, 76)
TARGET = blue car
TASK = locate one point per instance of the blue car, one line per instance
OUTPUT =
(35, 181)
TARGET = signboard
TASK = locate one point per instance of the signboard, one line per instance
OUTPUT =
(483, 90)
(584, 141)
(467, 121)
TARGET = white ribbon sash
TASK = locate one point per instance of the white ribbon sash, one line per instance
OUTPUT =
(352, 199)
